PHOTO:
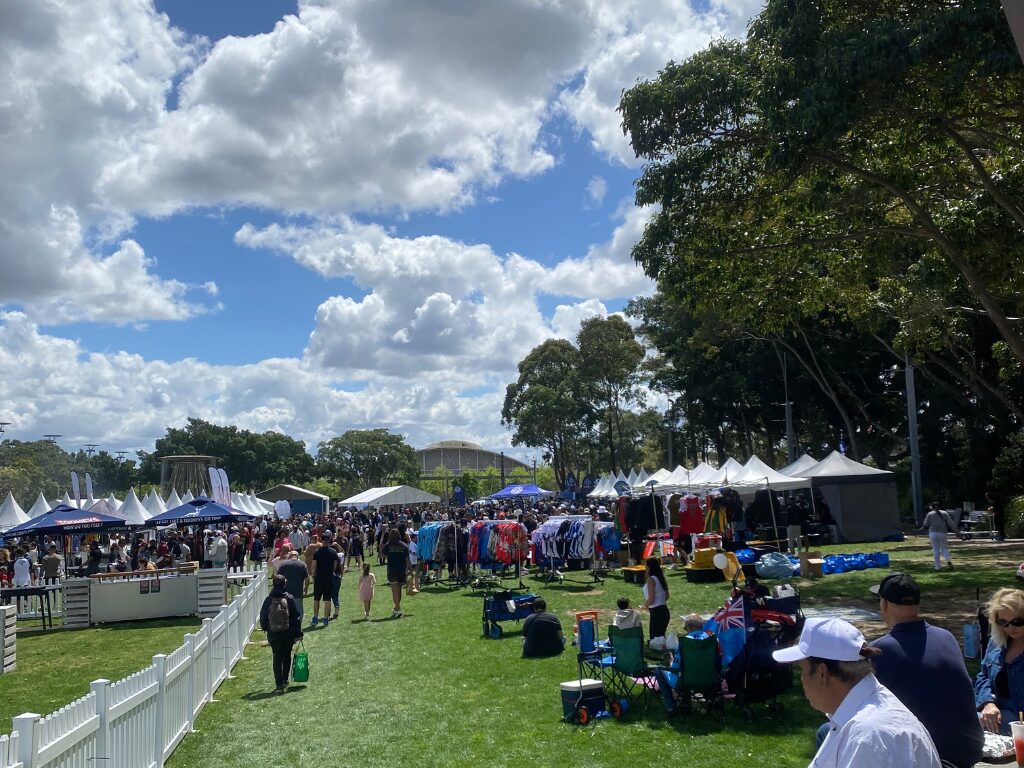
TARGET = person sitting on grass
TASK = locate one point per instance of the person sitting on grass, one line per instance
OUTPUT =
(626, 617)
(542, 632)
(281, 620)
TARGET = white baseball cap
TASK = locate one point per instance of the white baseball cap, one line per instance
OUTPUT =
(832, 639)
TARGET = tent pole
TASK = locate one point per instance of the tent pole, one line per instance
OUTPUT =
(771, 505)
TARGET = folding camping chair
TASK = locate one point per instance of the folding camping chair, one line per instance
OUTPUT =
(593, 655)
(695, 681)
(629, 677)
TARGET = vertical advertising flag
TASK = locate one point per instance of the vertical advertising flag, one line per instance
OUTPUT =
(460, 495)
(225, 487)
(88, 486)
(76, 489)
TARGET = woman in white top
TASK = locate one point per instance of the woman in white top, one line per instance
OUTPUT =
(656, 598)
(938, 523)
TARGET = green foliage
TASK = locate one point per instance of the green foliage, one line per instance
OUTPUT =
(550, 405)
(610, 362)
(251, 460)
(366, 458)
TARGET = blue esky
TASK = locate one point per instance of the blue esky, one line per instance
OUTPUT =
(313, 217)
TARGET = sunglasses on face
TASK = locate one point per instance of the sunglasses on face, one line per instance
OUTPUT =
(1018, 622)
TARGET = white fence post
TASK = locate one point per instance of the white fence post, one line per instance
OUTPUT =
(159, 735)
(226, 650)
(8, 638)
(210, 676)
(28, 738)
(190, 685)
(101, 688)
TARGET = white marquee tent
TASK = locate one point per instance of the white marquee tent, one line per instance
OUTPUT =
(390, 496)
(11, 514)
(41, 507)
(797, 468)
(132, 510)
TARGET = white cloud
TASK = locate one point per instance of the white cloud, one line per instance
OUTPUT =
(637, 38)
(597, 188)
(76, 79)
(62, 388)
(358, 105)
(436, 303)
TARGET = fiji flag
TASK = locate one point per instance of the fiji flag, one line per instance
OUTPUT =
(730, 628)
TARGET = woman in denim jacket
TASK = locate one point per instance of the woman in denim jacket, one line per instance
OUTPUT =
(999, 686)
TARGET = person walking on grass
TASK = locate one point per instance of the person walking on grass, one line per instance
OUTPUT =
(366, 584)
(397, 553)
(938, 524)
(325, 566)
(281, 620)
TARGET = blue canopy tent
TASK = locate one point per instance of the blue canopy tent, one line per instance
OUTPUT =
(64, 519)
(516, 491)
(199, 511)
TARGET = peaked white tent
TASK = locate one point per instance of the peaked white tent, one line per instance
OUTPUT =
(862, 499)
(154, 504)
(187, 497)
(267, 507)
(390, 496)
(41, 507)
(11, 514)
(641, 477)
(67, 499)
(174, 500)
(132, 510)
(113, 501)
(659, 477)
(758, 474)
(797, 468)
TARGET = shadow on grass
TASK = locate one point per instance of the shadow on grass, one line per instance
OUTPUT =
(259, 695)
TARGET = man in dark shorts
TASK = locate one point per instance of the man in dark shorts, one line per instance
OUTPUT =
(542, 632)
(325, 565)
(295, 575)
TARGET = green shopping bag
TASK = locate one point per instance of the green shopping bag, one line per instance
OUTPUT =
(300, 665)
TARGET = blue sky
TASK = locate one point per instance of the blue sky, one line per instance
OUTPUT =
(313, 217)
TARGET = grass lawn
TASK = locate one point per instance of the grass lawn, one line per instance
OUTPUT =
(427, 690)
(55, 668)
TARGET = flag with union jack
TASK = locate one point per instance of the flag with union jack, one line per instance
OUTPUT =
(729, 625)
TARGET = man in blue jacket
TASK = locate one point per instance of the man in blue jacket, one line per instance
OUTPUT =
(923, 666)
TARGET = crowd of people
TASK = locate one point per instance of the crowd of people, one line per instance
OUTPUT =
(904, 700)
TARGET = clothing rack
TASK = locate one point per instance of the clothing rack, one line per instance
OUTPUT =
(498, 543)
(540, 537)
(433, 536)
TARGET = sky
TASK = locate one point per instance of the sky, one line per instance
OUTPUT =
(316, 216)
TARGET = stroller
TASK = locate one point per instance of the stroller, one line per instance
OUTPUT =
(754, 676)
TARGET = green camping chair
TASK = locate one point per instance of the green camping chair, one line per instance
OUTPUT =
(700, 683)
(630, 677)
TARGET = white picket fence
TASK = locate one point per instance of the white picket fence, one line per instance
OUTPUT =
(138, 721)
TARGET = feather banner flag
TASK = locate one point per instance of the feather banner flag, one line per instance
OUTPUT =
(75, 489)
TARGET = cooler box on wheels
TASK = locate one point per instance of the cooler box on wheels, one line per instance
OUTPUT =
(582, 693)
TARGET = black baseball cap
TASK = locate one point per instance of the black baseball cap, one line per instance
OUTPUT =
(898, 588)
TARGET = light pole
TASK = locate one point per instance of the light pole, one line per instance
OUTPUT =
(915, 454)
(502, 469)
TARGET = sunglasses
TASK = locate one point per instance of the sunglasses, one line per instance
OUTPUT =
(1018, 622)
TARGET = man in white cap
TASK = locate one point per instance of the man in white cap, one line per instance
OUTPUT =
(868, 724)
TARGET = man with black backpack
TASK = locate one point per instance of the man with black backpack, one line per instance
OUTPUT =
(281, 620)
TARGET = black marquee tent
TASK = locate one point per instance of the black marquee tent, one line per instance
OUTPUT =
(862, 499)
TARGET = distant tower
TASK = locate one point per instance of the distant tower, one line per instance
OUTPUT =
(186, 473)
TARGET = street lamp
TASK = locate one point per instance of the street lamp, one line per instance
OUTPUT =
(668, 419)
